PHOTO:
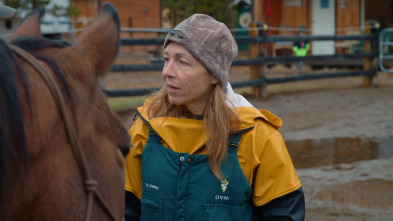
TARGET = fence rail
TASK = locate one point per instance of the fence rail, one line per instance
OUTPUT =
(258, 39)
(369, 53)
(158, 64)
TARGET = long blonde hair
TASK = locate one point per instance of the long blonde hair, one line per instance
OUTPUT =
(219, 121)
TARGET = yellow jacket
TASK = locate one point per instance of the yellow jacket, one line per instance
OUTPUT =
(262, 153)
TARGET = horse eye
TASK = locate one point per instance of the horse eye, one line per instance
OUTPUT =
(125, 150)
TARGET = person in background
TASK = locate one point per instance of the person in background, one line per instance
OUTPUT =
(6, 12)
(201, 151)
(300, 48)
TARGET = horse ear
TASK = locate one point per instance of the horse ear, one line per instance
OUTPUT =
(30, 25)
(100, 41)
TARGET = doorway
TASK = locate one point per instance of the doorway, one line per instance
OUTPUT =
(323, 20)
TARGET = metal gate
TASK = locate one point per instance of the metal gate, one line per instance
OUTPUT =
(386, 50)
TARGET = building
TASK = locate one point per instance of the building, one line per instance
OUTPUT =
(7, 26)
(51, 26)
(132, 13)
(322, 17)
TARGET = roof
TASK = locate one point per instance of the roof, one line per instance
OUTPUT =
(6, 12)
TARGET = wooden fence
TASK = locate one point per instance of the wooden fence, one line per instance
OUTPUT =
(258, 81)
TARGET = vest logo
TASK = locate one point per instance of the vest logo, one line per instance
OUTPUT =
(152, 186)
(224, 184)
(219, 197)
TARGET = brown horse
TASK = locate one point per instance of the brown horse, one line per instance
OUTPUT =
(59, 140)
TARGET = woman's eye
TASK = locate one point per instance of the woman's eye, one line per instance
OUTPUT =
(183, 62)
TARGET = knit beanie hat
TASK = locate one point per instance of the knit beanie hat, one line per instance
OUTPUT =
(209, 41)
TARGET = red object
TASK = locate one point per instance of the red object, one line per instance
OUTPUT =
(268, 12)
(268, 8)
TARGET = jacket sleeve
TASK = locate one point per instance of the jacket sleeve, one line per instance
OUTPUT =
(275, 174)
(277, 190)
(289, 207)
(133, 180)
(132, 207)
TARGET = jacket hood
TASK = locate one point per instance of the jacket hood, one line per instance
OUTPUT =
(247, 113)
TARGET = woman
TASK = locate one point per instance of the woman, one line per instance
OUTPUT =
(202, 152)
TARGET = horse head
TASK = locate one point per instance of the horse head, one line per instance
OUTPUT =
(42, 175)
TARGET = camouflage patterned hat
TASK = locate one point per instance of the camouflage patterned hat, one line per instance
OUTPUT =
(209, 41)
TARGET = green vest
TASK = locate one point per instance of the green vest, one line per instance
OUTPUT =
(179, 186)
(301, 52)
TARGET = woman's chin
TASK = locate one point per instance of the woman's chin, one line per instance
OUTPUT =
(174, 101)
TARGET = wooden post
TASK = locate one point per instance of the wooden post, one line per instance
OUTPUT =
(262, 52)
(254, 53)
(367, 62)
(79, 26)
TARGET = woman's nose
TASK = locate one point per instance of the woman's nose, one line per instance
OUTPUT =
(168, 69)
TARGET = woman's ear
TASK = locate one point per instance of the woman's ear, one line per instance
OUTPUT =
(214, 80)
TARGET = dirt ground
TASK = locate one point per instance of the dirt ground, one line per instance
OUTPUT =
(341, 142)
(338, 132)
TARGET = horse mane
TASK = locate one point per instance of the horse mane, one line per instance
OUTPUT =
(34, 43)
(30, 44)
(13, 144)
(10, 113)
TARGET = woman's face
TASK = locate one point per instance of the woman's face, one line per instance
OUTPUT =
(188, 82)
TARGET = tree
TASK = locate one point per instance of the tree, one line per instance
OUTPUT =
(182, 9)
(60, 11)
(56, 10)
(26, 4)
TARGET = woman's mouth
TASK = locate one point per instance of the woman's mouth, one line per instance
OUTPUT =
(172, 89)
